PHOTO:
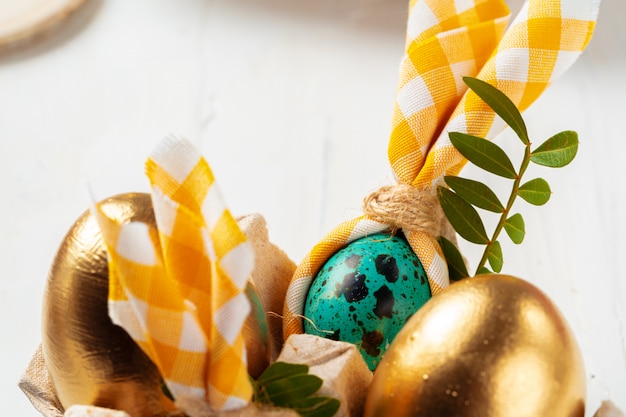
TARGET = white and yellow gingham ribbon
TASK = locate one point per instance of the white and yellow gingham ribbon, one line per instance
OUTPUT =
(447, 40)
(178, 290)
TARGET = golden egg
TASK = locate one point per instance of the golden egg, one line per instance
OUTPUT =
(91, 361)
(490, 346)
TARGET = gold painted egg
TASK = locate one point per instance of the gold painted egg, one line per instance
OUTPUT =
(490, 346)
(91, 361)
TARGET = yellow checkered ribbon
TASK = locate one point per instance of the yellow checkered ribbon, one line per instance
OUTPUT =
(447, 40)
(178, 290)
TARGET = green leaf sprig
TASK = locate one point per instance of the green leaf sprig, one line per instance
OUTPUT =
(291, 386)
(463, 195)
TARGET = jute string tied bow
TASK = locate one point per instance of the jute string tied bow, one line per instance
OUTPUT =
(405, 207)
(447, 40)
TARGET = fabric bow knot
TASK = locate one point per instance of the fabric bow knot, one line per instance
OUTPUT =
(446, 41)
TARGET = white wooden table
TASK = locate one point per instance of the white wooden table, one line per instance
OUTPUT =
(290, 101)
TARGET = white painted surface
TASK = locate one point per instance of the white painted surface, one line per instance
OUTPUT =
(290, 101)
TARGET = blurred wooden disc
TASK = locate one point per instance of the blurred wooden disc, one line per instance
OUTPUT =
(24, 19)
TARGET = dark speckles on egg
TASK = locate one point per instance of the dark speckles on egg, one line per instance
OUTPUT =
(421, 277)
(336, 335)
(371, 341)
(386, 266)
(373, 284)
(384, 302)
(353, 287)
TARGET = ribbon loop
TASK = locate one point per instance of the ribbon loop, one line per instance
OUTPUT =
(446, 41)
(178, 289)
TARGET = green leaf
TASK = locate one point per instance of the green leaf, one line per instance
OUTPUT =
(484, 154)
(475, 193)
(281, 370)
(166, 390)
(286, 391)
(456, 264)
(535, 191)
(316, 406)
(289, 385)
(495, 256)
(515, 228)
(501, 104)
(483, 270)
(462, 216)
(557, 151)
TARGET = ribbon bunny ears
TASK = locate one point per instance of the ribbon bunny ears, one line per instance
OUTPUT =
(178, 289)
(447, 40)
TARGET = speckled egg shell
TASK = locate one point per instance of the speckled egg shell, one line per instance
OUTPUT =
(365, 293)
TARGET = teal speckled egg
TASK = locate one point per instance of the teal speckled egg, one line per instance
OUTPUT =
(365, 293)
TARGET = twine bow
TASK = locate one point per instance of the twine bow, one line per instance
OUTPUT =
(403, 206)
(179, 290)
(447, 40)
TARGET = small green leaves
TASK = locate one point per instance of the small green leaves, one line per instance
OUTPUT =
(535, 191)
(494, 255)
(316, 406)
(500, 104)
(456, 264)
(515, 228)
(483, 154)
(475, 193)
(483, 270)
(459, 201)
(462, 216)
(166, 390)
(557, 151)
(291, 386)
(282, 370)
(286, 391)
